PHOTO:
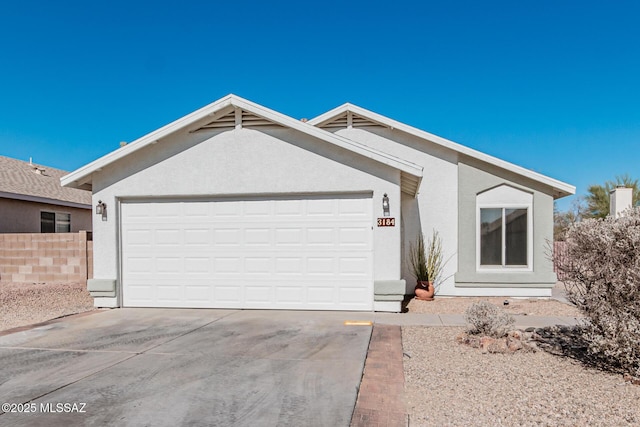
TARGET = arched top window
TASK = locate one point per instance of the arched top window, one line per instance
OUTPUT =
(504, 229)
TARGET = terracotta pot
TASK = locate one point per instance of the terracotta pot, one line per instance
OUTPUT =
(424, 291)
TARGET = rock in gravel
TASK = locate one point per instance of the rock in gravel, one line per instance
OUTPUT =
(514, 344)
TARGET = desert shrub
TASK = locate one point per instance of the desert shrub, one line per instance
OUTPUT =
(601, 271)
(484, 318)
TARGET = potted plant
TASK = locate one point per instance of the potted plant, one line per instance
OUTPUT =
(418, 261)
(426, 261)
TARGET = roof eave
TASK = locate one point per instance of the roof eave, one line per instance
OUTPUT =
(82, 176)
(44, 200)
(561, 189)
(77, 178)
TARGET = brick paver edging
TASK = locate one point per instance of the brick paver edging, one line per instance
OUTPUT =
(381, 396)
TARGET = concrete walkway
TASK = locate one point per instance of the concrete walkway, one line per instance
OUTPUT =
(415, 319)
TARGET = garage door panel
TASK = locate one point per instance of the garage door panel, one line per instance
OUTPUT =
(289, 208)
(257, 237)
(254, 208)
(322, 294)
(289, 236)
(354, 208)
(321, 266)
(198, 295)
(289, 266)
(197, 236)
(256, 293)
(197, 211)
(352, 295)
(227, 265)
(354, 266)
(227, 237)
(139, 265)
(321, 207)
(258, 265)
(354, 237)
(197, 265)
(139, 237)
(170, 293)
(167, 210)
(226, 210)
(320, 236)
(292, 294)
(312, 253)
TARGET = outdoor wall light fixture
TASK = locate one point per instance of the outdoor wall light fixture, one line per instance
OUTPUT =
(385, 205)
(101, 209)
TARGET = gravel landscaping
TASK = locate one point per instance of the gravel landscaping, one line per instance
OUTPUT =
(458, 305)
(451, 384)
(23, 304)
(526, 306)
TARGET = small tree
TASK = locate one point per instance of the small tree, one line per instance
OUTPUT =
(598, 197)
(602, 273)
(563, 220)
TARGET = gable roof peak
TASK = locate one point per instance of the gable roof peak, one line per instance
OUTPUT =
(335, 118)
(260, 115)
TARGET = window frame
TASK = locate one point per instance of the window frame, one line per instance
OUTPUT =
(498, 198)
(57, 220)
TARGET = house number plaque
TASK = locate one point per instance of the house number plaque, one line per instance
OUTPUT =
(386, 222)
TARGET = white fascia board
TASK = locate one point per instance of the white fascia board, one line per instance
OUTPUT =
(554, 183)
(331, 114)
(79, 176)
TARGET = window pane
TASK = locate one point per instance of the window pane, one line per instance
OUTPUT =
(491, 237)
(47, 222)
(516, 236)
(63, 223)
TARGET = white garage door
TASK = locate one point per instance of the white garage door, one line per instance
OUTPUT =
(303, 253)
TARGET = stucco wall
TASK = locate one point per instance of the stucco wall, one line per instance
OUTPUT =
(435, 207)
(19, 216)
(243, 161)
(474, 179)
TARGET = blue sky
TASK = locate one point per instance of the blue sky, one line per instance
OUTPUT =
(553, 86)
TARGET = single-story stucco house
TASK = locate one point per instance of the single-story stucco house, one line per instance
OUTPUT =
(33, 201)
(239, 206)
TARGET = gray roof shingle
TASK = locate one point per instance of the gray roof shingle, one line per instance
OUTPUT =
(21, 178)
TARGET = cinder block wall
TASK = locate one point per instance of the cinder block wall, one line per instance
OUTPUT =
(46, 258)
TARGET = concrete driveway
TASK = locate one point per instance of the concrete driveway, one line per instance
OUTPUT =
(170, 367)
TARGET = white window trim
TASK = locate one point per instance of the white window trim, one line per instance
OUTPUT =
(505, 268)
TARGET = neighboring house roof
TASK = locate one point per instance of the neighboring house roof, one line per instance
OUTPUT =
(352, 115)
(36, 183)
(232, 111)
